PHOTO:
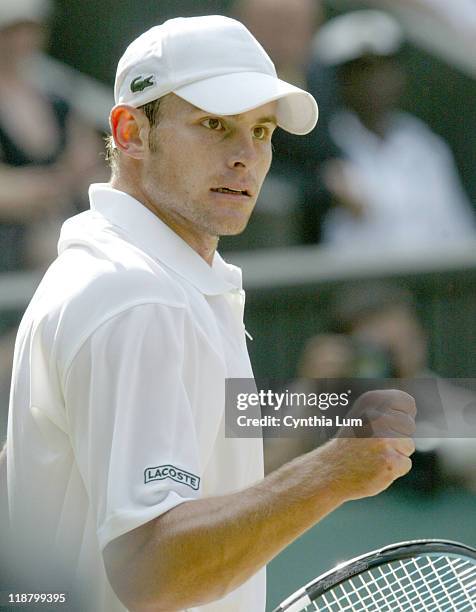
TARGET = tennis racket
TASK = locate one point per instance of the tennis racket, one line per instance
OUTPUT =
(414, 576)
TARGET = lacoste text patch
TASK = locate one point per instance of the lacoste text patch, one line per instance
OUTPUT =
(161, 472)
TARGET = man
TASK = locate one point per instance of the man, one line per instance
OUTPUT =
(394, 182)
(119, 470)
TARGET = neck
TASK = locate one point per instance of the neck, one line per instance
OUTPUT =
(203, 244)
(374, 122)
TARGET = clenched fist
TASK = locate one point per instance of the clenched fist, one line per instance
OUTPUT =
(364, 466)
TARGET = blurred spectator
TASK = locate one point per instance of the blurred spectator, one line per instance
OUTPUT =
(47, 158)
(393, 181)
(379, 336)
(461, 14)
(285, 29)
(390, 341)
(327, 356)
(459, 17)
(46, 155)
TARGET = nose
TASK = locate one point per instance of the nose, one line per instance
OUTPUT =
(243, 152)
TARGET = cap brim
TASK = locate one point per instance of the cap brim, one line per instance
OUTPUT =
(232, 94)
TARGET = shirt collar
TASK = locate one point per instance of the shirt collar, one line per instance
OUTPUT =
(152, 235)
(350, 133)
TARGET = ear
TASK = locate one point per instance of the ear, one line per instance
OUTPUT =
(129, 130)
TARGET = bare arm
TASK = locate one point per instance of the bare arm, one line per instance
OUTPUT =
(30, 192)
(215, 544)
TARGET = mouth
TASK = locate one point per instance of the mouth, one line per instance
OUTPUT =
(229, 191)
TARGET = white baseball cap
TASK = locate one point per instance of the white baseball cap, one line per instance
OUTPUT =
(214, 63)
(18, 11)
(355, 34)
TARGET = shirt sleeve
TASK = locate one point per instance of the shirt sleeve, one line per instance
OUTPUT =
(131, 420)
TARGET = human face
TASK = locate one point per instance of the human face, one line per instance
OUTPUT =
(373, 85)
(397, 330)
(197, 156)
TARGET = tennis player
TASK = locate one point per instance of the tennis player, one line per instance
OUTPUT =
(121, 481)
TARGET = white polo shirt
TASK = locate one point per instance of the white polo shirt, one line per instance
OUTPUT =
(117, 400)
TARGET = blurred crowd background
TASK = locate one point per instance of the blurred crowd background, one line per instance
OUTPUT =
(360, 258)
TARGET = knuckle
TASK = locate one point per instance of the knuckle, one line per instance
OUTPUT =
(371, 397)
(400, 397)
(411, 425)
(388, 461)
(406, 465)
(383, 400)
(397, 397)
(406, 403)
(407, 448)
(404, 424)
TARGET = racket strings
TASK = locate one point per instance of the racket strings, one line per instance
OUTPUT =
(424, 583)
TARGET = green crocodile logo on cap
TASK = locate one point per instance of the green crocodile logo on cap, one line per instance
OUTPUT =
(140, 83)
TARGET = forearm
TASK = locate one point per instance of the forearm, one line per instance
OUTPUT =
(278, 451)
(213, 545)
(17, 188)
(28, 192)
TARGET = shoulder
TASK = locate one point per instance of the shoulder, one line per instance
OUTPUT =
(98, 265)
(414, 128)
(84, 288)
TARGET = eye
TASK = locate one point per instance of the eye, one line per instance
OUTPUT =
(260, 132)
(212, 123)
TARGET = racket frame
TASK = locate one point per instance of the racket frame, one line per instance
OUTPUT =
(392, 552)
